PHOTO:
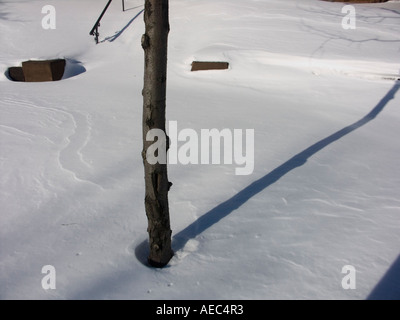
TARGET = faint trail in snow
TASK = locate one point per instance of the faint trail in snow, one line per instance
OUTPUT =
(77, 141)
(17, 132)
(333, 204)
(297, 266)
(44, 114)
(70, 158)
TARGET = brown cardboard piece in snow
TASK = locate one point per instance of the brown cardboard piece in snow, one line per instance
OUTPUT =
(209, 65)
(46, 70)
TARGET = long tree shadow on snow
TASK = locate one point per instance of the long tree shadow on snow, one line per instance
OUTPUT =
(224, 209)
(388, 287)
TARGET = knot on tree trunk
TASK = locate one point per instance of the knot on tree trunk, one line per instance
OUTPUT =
(145, 41)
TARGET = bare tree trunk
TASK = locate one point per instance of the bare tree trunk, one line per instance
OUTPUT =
(154, 43)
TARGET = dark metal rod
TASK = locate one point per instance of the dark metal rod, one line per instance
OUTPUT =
(98, 20)
(123, 5)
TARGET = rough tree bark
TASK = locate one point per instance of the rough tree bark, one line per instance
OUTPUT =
(154, 43)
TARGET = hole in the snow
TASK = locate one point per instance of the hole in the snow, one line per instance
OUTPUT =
(45, 70)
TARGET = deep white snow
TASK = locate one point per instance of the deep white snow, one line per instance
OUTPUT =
(324, 105)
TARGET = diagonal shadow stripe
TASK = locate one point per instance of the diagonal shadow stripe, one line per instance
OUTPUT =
(388, 287)
(224, 209)
(119, 33)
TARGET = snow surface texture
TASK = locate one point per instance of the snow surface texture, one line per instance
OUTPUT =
(324, 192)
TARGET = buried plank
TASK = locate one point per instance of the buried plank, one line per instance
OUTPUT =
(209, 65)
(46, 70)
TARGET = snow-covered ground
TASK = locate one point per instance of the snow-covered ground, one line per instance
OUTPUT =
(325, 188)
